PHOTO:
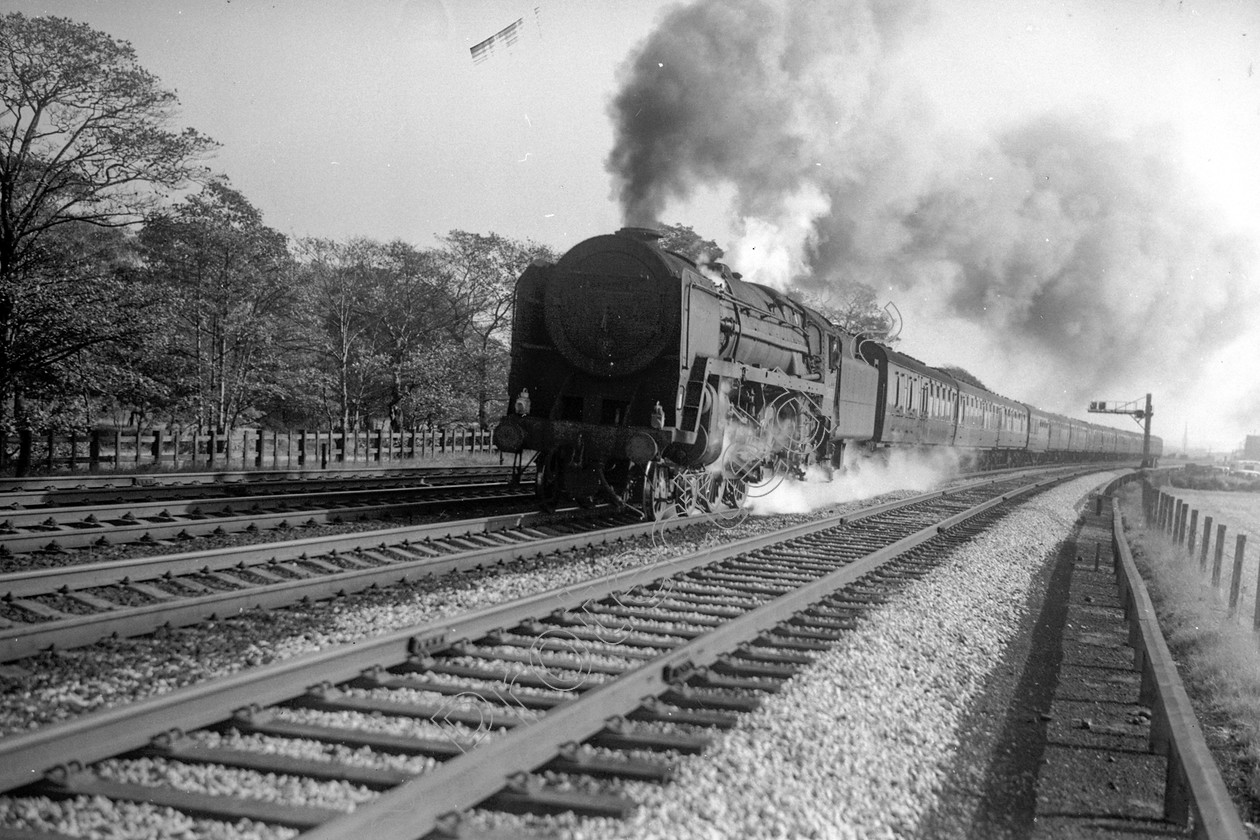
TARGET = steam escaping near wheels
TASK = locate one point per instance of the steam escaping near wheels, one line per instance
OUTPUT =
(917, 471)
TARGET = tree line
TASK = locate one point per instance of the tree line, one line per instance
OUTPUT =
(139, 287)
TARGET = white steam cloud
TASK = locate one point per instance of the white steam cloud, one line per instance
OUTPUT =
(862, 478)
(1082, 257)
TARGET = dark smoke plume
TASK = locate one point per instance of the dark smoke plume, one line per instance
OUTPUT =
(1065, 245)
(747, 92)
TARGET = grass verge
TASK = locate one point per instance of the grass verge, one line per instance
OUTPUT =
(1218, 657)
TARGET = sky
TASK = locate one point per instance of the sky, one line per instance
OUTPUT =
(1061, 196)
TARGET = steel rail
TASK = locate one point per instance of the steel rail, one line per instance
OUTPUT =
(27, 583)
(417, 807)
(129, 727)
(225, 478)
(52, 501)
(74, 516)
(1194, 790)
(23, 640)
(18, 640)
(27, 757)
(86, 534)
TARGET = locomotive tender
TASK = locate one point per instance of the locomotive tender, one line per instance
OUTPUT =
(639, 375)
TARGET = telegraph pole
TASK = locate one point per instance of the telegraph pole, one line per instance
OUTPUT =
(1141, 415)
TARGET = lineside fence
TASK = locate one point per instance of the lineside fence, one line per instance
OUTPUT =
(1195, 794)
(135, 449)
(1223, 556)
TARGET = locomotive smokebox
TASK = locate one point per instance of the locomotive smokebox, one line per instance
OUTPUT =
(614, 305)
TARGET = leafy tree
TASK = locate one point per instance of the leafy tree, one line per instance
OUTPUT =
(410, 335)
(85, 142)
(414, 315)
(682, 239)
(963, 375)
(224, 280)
(855, 309)
(73, 301)
(440, 392)
(334, 281)
(483, 269)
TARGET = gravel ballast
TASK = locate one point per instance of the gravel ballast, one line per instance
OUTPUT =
(60, 685)
(858, 745)
(855, 746)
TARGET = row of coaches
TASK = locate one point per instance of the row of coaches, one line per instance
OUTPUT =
(918, 405)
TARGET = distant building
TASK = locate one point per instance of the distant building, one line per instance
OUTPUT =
(1251, 449)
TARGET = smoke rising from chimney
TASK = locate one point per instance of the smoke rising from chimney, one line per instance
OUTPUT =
(1057, 239)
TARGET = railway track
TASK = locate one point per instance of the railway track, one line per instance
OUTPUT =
(75, 605)
(80, 488)
(26, 530)
(483, 701)
(72, 606)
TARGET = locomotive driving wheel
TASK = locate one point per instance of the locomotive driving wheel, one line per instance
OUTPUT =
(548, 487)
(658, 492)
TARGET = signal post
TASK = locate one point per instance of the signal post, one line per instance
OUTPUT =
(1141, 415)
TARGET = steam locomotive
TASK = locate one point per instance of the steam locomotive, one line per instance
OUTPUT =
(640, 376)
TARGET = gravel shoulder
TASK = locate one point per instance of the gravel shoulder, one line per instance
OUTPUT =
(992, 698)
(1056, 746)
(912, 727)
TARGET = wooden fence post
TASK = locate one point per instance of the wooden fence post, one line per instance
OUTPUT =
(258, 450)
(94, 451)
(1207, 538)
(1235, 584)
(1219, 556)
(1255, 618)
(157, 447)
(1192, 532)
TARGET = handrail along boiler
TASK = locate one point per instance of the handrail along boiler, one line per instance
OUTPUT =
(639, 375)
